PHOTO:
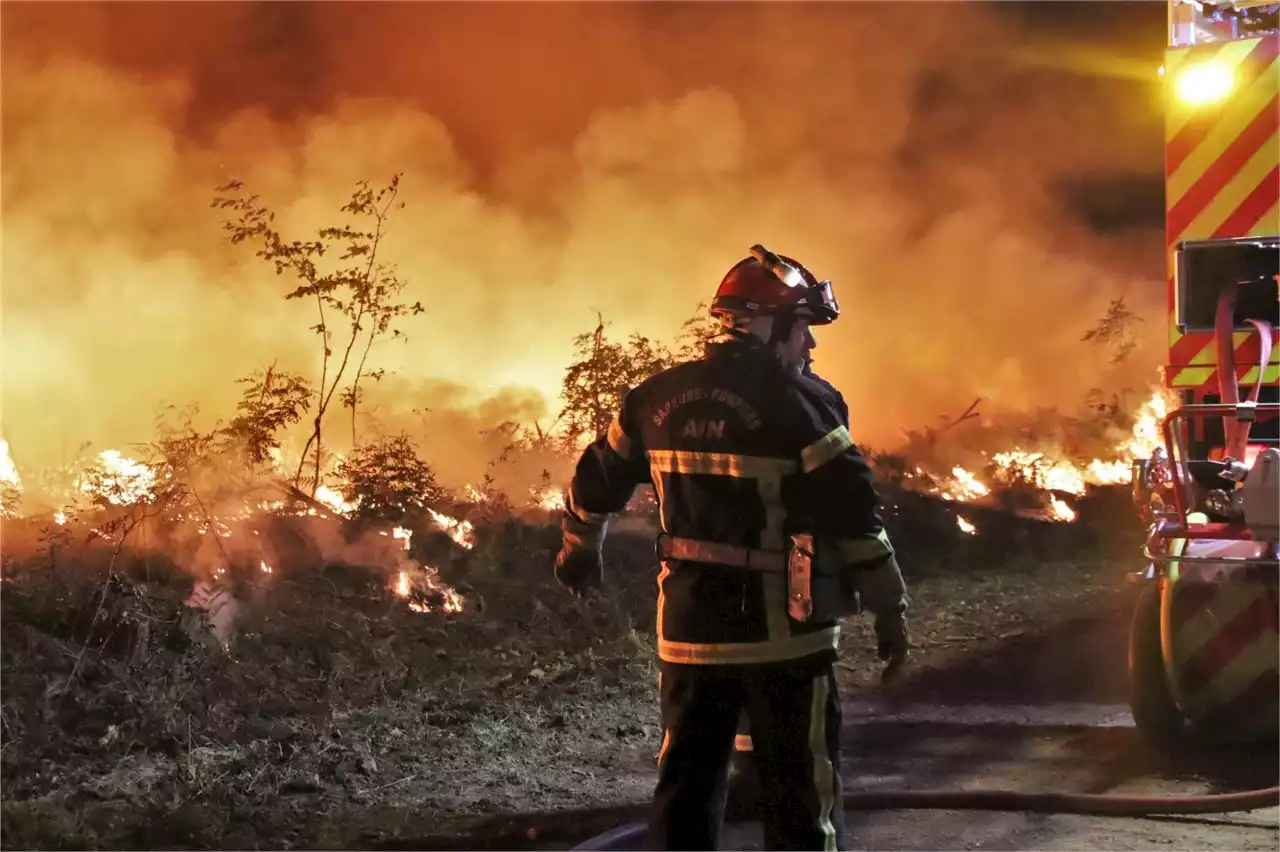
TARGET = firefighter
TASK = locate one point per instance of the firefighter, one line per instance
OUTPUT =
(770, 533)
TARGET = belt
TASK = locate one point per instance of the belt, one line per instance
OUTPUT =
(714, 553)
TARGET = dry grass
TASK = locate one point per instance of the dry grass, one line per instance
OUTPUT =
(338, 718)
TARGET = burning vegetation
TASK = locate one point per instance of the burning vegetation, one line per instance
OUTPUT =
(205, 499)
(276, 455)
(310, 470)
(1053, 480)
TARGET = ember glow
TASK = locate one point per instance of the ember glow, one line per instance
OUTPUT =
(214, 525)
(966, 526)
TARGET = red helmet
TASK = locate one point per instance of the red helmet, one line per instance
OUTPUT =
(766, 284)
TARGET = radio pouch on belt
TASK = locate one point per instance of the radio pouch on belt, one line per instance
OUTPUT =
(816, 587)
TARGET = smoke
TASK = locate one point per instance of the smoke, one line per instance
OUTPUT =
(558, 160)
(464, 437)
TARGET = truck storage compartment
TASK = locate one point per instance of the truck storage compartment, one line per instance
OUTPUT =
(1206, 267)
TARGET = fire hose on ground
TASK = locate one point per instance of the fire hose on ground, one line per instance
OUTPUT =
(516, 831)
(1086, 804)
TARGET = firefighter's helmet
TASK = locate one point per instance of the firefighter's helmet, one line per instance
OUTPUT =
(768, 284)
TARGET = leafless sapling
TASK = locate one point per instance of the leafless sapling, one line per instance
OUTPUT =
(364, 292)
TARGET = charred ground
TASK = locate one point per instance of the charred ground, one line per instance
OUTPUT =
(337, 717)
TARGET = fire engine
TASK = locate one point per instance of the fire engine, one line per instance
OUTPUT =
(1204, 654)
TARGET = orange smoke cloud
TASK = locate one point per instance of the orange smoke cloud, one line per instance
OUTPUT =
(558, 160)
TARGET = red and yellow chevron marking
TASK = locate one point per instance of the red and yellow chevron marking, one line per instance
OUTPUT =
(1222, 179)
(1225, 654)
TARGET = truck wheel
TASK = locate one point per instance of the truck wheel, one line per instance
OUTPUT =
(1151, 702)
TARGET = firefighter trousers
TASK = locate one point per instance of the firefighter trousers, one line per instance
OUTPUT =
(794, 712)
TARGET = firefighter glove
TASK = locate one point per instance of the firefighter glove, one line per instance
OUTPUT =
(893, 641)
(580, 563)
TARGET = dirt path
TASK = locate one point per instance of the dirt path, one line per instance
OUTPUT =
(1085, 748)
(1036, 711)
(1030, 756)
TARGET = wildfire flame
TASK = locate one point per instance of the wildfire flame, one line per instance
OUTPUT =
(1109, 472)
(1042, 472)
(1060, 475)
(10, 484)
(334, 500)
(1059, 510)
(404, 587)
(1146, 429)
(122, 481)
(462, 532)
(964, 486)
(119, 480)
(8, 470)
(552, 501)
(404, 582)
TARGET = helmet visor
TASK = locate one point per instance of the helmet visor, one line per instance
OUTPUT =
(821, 301)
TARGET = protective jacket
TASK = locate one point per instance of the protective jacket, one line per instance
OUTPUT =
(741, 454)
